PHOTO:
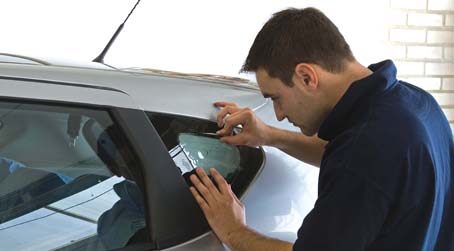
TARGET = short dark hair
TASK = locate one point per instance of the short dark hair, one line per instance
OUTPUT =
(294, 36)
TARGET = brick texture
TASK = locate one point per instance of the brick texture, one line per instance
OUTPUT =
(449, 114)
(444, 5)
(409, 68)
(444, 99)
(440, 36)
(423, 19)
(425, 52)
(396, 17)
(449, 20)
(448, 84)
(449, 53)
(407, 35)
(425, 28)
(446, 69)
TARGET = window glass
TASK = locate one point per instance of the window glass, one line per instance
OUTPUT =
(205, 151)
(192, 143)
(65, 180)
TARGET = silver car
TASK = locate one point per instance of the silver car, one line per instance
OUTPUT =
(97, 158)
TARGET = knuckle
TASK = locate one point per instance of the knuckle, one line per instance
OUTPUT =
(228, 122)
(204, 192)
(209, 184)
(247, 110)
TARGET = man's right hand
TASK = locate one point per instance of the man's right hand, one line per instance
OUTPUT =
(254, 131)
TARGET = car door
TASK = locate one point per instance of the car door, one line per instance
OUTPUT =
(78, 172)
(83, 168)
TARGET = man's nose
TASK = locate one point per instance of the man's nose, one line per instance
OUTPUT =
(279, 114)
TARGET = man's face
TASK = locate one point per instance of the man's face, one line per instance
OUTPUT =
(293, 103)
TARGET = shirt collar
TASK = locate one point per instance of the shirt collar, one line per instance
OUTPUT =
(358, 95)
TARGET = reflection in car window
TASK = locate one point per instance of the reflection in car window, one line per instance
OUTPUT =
(203, 151)
(64, 180)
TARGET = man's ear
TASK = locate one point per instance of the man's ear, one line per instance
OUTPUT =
(306, 75)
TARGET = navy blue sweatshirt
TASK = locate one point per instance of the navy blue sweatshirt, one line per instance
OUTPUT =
(386, 177)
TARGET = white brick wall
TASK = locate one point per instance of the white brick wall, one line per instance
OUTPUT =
(423, 19)
(449, 53)
(425, 52)
(449, 20)
(448, 84)
(449, 114)
(440, 36)
(425, 28)
(409, 68)
(407, 35)
(444, 99)
(396, 17)
(446, 69)
(397, 51)
(445, 5)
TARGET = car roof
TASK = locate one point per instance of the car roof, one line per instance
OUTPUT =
(151, 90)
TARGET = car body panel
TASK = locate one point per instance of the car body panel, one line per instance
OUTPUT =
(278, 199)
(180, 96)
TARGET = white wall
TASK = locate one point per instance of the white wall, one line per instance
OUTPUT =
(190, 36)
(207, 36)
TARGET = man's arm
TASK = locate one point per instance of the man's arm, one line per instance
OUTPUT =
(298, 145)
(256, 133)
(249, 240)
(226, 215)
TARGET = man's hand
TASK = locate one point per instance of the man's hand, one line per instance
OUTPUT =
(254, 132)
(226, 215)
(223, 210)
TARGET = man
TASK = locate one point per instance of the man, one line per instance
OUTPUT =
(386, 171)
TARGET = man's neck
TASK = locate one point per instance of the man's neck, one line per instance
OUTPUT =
(342, 81)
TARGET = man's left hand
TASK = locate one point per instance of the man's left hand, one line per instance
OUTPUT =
(223, 210)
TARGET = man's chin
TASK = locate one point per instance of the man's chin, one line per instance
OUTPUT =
(307, 132)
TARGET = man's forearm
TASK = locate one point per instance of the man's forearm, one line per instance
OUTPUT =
(249, 240)
(298, 145)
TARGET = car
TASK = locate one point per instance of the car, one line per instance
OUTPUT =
(97, 158)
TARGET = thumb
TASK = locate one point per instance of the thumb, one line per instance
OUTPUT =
(231, 140)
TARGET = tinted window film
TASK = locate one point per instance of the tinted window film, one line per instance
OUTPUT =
(204, 151)
(64, 180)
(191, 143)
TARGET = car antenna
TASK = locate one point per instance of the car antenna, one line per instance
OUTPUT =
(100, 58)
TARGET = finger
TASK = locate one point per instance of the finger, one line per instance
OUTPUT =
(224, 112)
(234, 120)
(220, 181)
(223, 103)
(221, 115)
(207, 182)
(236, 140)
(200, 200)
(204, 192)
(234, 195)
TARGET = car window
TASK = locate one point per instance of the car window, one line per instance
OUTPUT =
(192, 143)
(196, 150)
(66, 180)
